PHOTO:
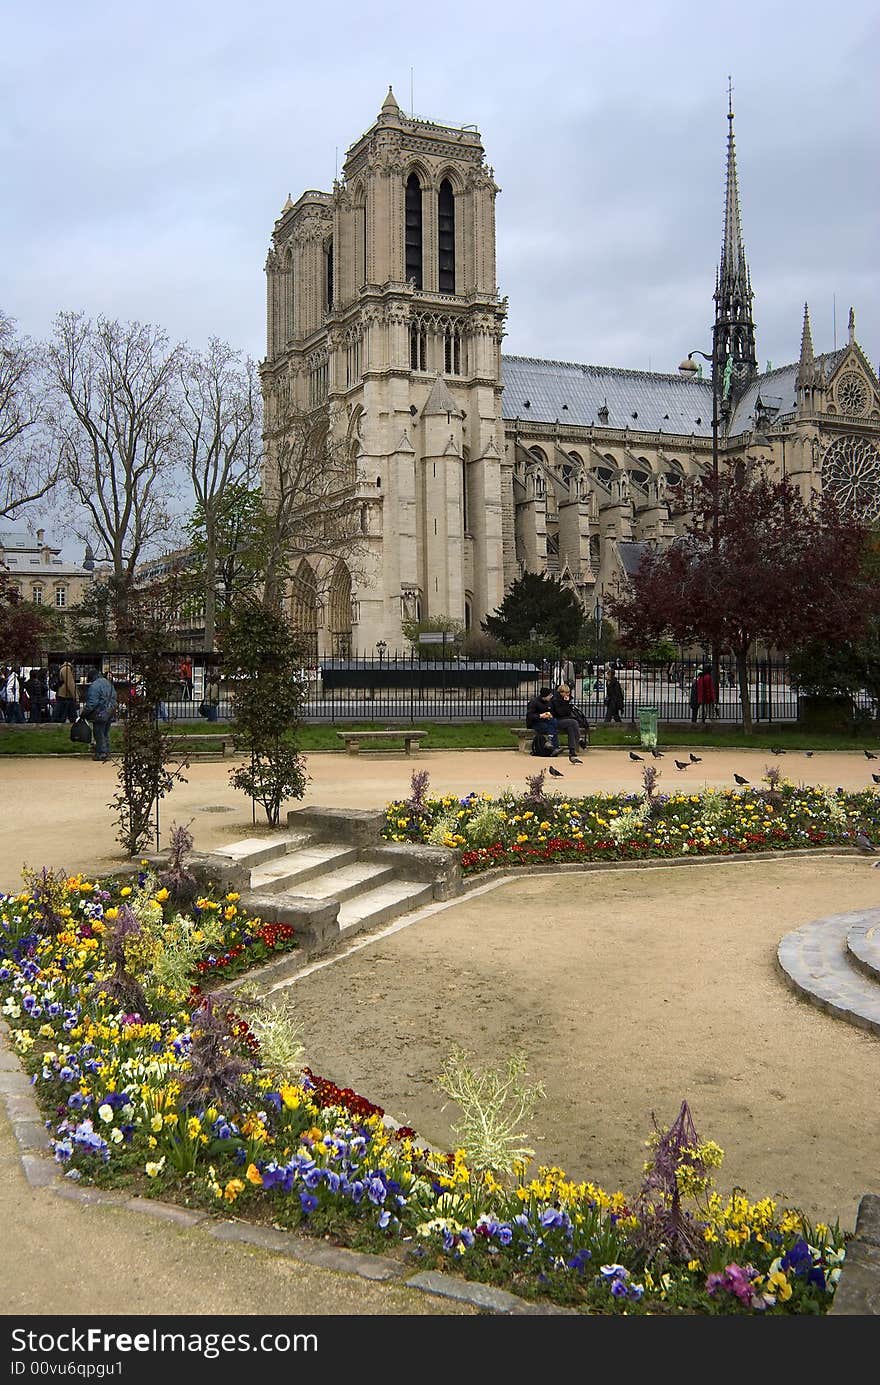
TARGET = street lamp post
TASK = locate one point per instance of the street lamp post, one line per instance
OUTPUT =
(689, 367)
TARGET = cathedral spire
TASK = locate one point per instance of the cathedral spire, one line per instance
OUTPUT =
(734, 336)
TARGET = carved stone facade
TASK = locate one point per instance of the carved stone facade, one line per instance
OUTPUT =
(384, 319)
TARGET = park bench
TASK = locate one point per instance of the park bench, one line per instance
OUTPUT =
(353, 739)
(525, 735)
(203, 746)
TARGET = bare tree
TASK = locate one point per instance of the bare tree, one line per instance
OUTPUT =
(28, 458)
(218, 418)
(310, 492)
(114, 383)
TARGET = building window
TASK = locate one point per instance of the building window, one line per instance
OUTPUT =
(414, 230)
(328, 255)
(452, 355)
(418, 347)
(37, 595)
(60, 597)
(446, 237)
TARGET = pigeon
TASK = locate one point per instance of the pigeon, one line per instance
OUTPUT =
(657, 754)
(695, 759)
(809, 754)
(876, 778)
(869, 755)
(682, 764)
(739, 779)
(864, 843)
(557, 773)
(634, 756)
(776, 750)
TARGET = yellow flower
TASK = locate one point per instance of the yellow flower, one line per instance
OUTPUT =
(153, 1169)
(125, 891)
(233, 896)
(232, 1189)
(778, 1284)
(161, 895)
(254, 1176)
(693, 1264)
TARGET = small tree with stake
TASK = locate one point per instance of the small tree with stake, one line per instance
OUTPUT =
(144, 776)
(265, 663)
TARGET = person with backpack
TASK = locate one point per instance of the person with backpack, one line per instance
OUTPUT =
(540, 719)
(99, 709)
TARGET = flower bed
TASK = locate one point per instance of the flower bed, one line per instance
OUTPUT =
(148, 1083)
(539, 826)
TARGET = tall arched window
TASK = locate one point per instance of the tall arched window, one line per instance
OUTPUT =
(414, 229)
(329, 258)
(446, 237)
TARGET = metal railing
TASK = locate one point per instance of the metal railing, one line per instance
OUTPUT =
(405, 687)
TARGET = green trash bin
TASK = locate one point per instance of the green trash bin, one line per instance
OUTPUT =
(648, 726)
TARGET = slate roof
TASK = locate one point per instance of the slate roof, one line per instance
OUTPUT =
(777, 390)
(631, 554)
(641, 400)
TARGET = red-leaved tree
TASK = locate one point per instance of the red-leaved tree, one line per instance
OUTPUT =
(756, 563)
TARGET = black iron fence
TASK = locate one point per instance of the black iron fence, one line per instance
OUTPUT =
(408, 688)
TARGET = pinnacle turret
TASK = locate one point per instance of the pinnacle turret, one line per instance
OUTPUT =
(807, 362)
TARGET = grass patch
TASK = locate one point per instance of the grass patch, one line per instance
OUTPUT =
(485, 735)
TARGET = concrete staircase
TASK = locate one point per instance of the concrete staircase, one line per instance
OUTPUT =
(835, 963)
(330, 875)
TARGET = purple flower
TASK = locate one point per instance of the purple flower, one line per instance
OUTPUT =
(376, 1190)
(308, 1202)
(505, 1234)
(384, 1218)
(618, 1288)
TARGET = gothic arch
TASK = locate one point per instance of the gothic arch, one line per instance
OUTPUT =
(339, 610)
(453, 177)
(304, 604)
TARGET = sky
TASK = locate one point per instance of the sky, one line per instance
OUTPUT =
(148, 149)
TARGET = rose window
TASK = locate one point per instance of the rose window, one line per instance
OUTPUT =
(852, 396)
(851, 473)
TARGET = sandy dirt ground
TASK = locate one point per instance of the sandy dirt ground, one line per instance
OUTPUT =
(628, 991)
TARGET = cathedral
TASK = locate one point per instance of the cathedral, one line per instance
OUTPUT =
(466, 467)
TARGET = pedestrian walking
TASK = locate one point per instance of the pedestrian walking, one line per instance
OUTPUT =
(100, 708)
(38, 696)
(65, 694)
(694, 698)
(707, 696)
(614, 699)
(12, 696)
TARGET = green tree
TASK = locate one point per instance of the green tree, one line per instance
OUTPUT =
(543, 604)
(239, 545)
(265, 666)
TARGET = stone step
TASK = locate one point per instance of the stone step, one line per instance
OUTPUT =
(816, 962)
(253, 851)
(863, 945)
(380, 905)
(346, 882)
(288, 872)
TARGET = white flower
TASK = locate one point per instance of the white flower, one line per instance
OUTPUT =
(106, 1112)
(152, 1170)
(116, 1135)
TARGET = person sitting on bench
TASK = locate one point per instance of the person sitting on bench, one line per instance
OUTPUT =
(539, 718)
(563, 715)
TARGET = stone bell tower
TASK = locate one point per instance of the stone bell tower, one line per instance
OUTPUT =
(384, 312)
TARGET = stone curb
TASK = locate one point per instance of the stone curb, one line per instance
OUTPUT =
(513, 871)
